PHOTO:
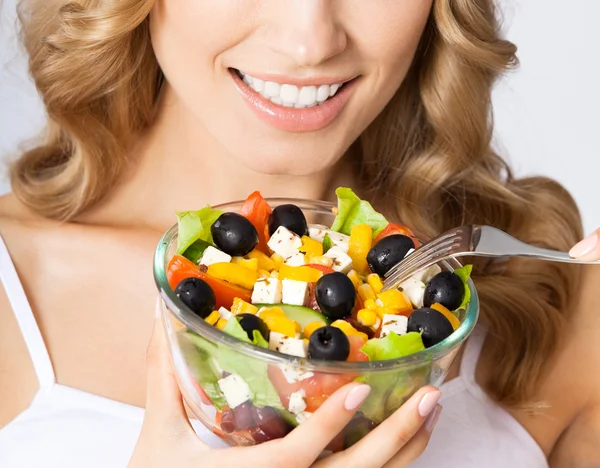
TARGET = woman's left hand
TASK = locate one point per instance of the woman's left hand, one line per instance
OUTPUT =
(588, 249)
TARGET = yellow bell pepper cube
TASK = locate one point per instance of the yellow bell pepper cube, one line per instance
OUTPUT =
(370, 304)
(242, 307)
(282, 325)
(250, 263)
(446, 313)
(267, 312)
(300, 273)
(395, 300)
(356, 281)
(264, 262)
(361, 239)
(367, 317)
(233, 273)
(221, 324)
(375, 281)
(310, 328)
(348, 329)
(213, 318)
(365, 291)
(311, 247)
(263, 274)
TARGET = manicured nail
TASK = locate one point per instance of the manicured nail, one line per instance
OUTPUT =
(428, 402)
(356, 397)
(432, 419)
(585, 246)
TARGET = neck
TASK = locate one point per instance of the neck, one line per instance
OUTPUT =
(177, 165)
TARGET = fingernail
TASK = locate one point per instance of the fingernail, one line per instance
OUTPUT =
(428, 402)
(585, 246)
(432, 419)
(356, 397)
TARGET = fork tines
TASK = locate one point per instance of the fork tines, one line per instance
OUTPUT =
(425, 256)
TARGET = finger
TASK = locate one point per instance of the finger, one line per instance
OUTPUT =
(305, 443)
(164, 404)
(417, 445)
(588, 249)
(377, 448)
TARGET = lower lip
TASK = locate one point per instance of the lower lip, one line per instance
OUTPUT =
(291, 119)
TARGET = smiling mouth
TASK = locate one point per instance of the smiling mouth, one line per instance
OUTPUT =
(290, 95)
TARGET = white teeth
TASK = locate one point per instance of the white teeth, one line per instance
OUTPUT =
(289, 95)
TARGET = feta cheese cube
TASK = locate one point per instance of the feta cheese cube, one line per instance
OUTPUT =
(297, 401)
(267, 291)
(235, 390)
(284, 242)
(341, 261)
(303, 417)
(318, 232)
(212, 255)
(287, 345)
(225, 314)
(428, 273)
(394, 323)
(294, 375)
(414, 290)
(294, 292)
(297, 259)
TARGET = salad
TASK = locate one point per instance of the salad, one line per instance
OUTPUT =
(268, 277)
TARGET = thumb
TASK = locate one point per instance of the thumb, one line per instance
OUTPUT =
(588, 249)
(164, 404)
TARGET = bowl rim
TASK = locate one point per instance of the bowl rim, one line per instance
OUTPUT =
(214, 335)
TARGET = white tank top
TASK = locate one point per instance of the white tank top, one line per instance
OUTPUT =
(68, 428)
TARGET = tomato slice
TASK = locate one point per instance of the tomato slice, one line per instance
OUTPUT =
(181, 268)
(325, 269)
(356, 355)
(258, 211)
(393, 228)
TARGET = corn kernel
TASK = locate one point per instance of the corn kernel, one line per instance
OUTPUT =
(221, 324)
(310, 328)
(348, 329)
(213, 318)
(274, 274)
(322, 260)
(278, 260)
(375, 281)
(370, 304)
(356, 281)
(367, 317)
(242, 307)
(365, 291)
(282, 325)
(395, 300)
(446, 313)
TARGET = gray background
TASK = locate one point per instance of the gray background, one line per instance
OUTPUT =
(546, 113)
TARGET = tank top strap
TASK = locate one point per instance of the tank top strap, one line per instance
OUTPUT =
(473, 347)
(26, 320)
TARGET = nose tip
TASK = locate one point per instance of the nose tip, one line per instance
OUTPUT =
(319, 45)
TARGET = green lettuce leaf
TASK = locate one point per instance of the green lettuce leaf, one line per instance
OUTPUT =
(464, 274)
(352, 211)
(389, 389)
(194, 225)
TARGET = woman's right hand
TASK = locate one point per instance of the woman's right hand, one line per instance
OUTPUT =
(168, 439)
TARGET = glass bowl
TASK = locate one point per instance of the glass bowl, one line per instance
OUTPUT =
(201, 354)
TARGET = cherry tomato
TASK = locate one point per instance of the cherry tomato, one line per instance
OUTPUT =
(201, 393)
(257, 211)
(393, 228)
(181, 268)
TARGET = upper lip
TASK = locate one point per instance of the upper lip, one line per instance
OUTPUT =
(299, 81)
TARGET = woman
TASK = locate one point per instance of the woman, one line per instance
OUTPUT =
(153, 107)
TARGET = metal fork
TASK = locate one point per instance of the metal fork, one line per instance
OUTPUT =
(473, 240)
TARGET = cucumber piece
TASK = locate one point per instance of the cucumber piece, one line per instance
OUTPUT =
(194, 252)
(302, 315)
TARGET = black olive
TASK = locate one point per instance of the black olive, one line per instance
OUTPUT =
(197, 295)
(388, 252)
(445, 288)
(289, 216)
(234, 234)
(250, 322)
(432, 325)
(270, 423)
(335, 295)
(328, 343)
